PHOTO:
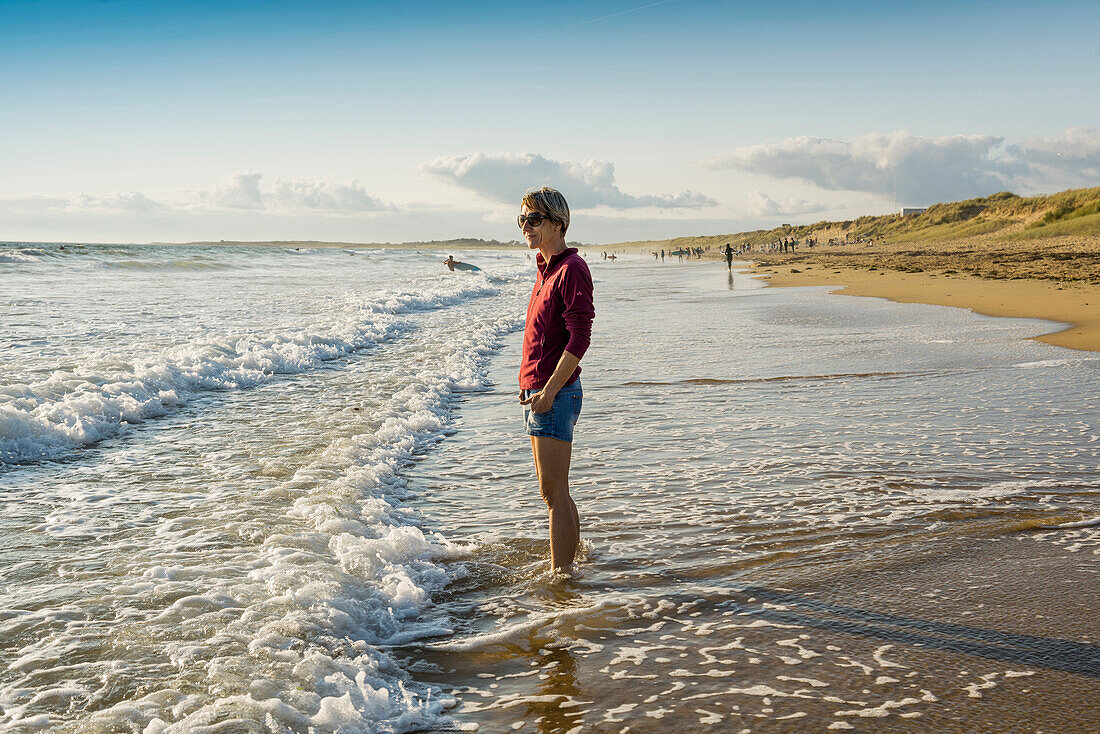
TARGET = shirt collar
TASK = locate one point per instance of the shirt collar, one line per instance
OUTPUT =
(548, 267)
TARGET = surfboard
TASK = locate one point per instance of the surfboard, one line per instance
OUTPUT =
(466, 266)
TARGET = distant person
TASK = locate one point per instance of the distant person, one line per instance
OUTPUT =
(662, 254)
(729, 257)
(557, 333)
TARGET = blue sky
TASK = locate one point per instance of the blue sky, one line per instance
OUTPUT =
(137, 121)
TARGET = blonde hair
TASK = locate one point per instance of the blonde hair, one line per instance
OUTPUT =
(550, 202)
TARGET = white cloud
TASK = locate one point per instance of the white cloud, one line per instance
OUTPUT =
(131, 203)
(243, 191)
(1072, 157)
(237, 191)
(323, 196)
(504, 178)
(240, 192)
(928, 169)
(32, 204)
(762, 205)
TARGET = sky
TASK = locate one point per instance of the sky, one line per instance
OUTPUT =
(407, 121)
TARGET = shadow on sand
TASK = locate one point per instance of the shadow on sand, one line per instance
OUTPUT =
(1081, 658)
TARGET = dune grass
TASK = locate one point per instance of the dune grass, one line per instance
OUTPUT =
(1087, 223)
(1003, 216)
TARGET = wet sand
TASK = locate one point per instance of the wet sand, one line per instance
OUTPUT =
(1076, 304)
(949, 639)
(803, 513)
(1053, 278)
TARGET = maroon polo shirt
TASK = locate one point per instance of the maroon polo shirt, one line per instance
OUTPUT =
(559, 318)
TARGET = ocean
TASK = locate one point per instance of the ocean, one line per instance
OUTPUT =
(287, 490)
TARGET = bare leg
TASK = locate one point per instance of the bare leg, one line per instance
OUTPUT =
(552, 466)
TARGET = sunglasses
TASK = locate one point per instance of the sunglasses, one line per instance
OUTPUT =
(534, 219)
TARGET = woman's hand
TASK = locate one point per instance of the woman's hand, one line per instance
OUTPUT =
(540, 401)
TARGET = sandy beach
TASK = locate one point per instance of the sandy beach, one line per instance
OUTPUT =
(1056, 280)
(1077, 304)
(1001, 255)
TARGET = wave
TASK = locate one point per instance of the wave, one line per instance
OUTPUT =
(385, 566)
(1062, 362)
(197, 263)
(1044, 524)
(23, 255)
(518, 634)
(344, 573)
(49, 419)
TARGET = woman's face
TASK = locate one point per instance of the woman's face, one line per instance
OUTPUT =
(541, 234)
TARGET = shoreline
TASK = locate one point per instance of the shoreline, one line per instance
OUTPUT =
(457, 245)
(1059, 282)
(1077, 305)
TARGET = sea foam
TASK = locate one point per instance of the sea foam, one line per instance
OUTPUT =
(24, 255)
(50, 418)
(290, 625)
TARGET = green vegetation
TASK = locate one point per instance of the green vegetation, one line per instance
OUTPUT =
(1000, 217)
(1002, 213)
(1066, 211)
(952, 230)
(1083, 224)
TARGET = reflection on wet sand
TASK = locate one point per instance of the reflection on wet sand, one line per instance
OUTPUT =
(554, 709)
(752, 654)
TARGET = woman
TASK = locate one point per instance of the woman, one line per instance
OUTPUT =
(559, 326)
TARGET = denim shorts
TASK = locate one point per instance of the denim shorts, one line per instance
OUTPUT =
(557, 422)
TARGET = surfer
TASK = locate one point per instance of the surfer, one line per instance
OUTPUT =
(729, 257)
(454, 265)
(556, 336)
